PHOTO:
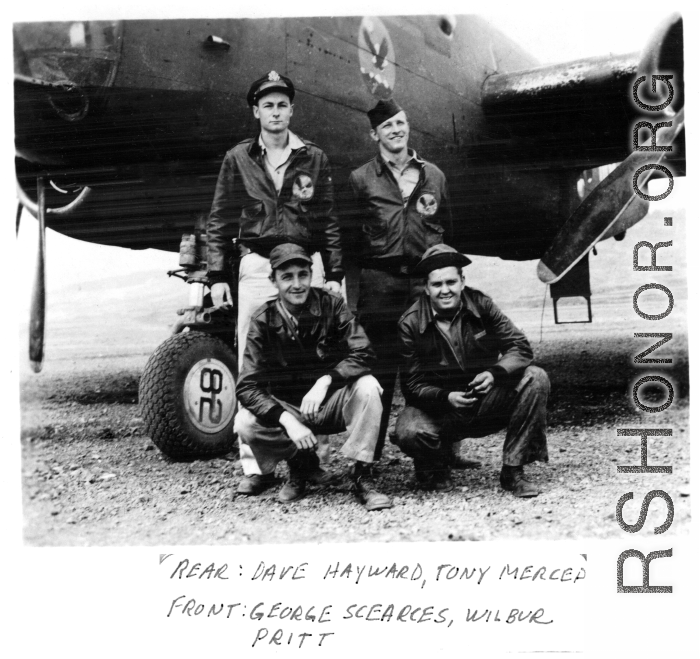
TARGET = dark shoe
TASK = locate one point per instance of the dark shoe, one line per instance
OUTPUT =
(433, 477)
(365, 489)
(442, 481)
(256, 484)
(315, 475)
(513, 480)
(295, 487)
(458, 462)
(424, 475)
(292, 490)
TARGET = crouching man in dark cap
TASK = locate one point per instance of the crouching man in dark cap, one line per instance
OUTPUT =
(467, 373)
(306, 370)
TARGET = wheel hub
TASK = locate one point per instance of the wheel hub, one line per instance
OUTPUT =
(210, 395)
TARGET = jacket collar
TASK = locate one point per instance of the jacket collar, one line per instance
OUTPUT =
(426, 315)
(380, 163)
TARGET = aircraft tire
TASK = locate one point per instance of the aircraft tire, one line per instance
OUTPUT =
(187, 395)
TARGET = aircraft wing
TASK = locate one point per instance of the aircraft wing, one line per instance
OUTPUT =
(581, 115)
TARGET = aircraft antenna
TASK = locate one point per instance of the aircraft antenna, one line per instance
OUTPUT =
(544, 302)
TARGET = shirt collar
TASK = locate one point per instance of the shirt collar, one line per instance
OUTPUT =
(295, 143)
(313, 306)
(457, 313)
(412, 157)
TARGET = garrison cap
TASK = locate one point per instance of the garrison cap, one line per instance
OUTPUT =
(269, 83)
(440, 256)
(288, 252)
(382, 111)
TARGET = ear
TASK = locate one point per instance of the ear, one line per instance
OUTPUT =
(373, 134)
(291, 109)
(256, 111)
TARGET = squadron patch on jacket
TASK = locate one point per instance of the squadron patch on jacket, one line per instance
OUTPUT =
(302, 188)
(426, 205)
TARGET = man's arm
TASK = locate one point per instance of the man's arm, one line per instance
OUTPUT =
(356, 361)
(516, 353)
(353, 344)
(221, 227)
(252, 381)
(331, 251)
(252, 389)
(445, 213)
(414, 385)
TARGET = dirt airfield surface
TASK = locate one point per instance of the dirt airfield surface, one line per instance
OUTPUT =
(90, 475)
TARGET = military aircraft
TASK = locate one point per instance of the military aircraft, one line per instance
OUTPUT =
(121, 127)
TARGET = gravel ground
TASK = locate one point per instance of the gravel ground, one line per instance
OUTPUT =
(91, 476)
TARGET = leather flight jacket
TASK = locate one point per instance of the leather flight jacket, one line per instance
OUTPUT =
(285, 362)
(246, 205)
(489, 341)
(394, 235)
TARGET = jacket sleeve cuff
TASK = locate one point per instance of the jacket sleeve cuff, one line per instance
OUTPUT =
(335, 377)
(498, 372)
(273, 415)
(443, 396)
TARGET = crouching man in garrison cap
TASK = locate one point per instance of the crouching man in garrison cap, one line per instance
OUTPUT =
(466, 373)
(273, 188)
(306, 370)
(402, 209)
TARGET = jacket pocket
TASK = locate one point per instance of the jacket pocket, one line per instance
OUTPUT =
(298, 221)
(252, 217)
(375, 237)
(433, 233)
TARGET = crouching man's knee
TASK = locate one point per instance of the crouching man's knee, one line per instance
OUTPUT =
(367, 388)
(243, 424)
(536, 379)
(414, 431)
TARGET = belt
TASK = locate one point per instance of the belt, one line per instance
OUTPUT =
(391, 266)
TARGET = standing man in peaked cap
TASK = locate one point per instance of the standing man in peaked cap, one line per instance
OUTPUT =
(274, 188)
(467, 372)
(402, 209)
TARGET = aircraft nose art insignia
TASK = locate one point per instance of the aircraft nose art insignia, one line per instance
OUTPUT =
(302, 188)
(377, 57)
(426, 205)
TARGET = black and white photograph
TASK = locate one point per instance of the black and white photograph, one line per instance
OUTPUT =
(375, 283)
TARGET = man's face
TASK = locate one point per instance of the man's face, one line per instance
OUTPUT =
(274, 112)
(392, 135)
(444, 287)
(293, 281)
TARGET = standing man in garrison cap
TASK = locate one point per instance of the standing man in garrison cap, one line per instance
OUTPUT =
(273, 188)
(402, 209)
(467, 372)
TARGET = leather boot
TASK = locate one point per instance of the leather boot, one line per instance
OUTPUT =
(255, 484)
(317, 475)
(513, 480)
(295, 487)
(365, 490)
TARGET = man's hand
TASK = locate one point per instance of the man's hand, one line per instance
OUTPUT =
(221, 295)
(311, 403)
(460, 400)
(333, 287)
(302, 437)
(482, 383)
